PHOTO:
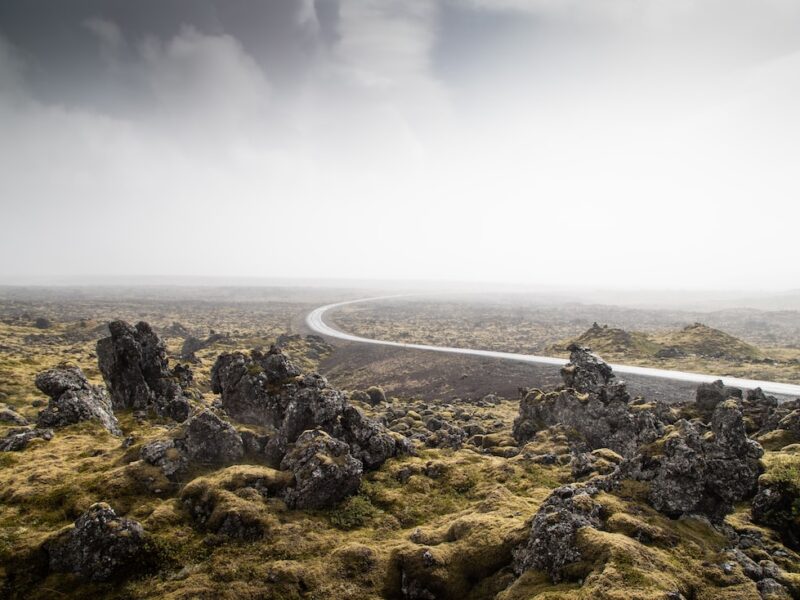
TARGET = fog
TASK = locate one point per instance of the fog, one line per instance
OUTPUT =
(612, 143)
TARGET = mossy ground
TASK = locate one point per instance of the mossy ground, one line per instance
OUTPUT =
(447, 518)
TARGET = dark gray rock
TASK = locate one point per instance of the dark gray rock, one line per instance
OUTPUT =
(595, 405)
(250, 386)
(73, 399)
(267, 390)
(101, 547)
(588, 373)
(775, 505)
(168, 456)
(701, 474)
(9, 415)
(193, 344)
(133, 361)
(43, 323)
(772, 590)
(446, 436)
(211, 441)
(324, 471)
(711, 394)
(369, 441)
(18, 439)
(551, 544)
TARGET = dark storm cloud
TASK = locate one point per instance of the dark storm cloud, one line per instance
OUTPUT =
(61, 43)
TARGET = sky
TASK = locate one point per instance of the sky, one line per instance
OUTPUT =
(613, 143)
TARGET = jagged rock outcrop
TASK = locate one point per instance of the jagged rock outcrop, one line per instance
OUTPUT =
(595, 405)
(369, 441)
(248, 384)
(691, 472)
(133, 361)
(324, 471)
(267, 390)
(711, 394)
(73, 399)
(776, 505)
(211, 441)
(100, 547)
(18, 438)
(205, 440)
(552, 542)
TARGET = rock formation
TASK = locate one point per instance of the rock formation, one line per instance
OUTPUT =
(711, 394)
(266, 389)
(204, 440)
(17, 439)
(694, 473)
(133, 361)
(324, 471)
(100, 547)
(551, 544)
(9, 415)
(73, 399)
(595, 404)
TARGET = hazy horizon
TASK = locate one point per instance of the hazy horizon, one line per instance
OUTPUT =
(610, 144)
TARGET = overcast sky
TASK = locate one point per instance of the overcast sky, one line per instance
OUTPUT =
(631, 143)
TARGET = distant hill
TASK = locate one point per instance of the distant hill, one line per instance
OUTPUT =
(696, 339)
(703, 340)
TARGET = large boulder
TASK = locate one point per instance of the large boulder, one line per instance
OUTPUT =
(73, 399)
(134, 364)
(711, 394)
(692, 472)
(324, 471)
(210, 440)
(777, 503)
(588, 373)
(267, 389)
(552, 542)
(594, 405)
(369, 441)
(204, 440)
(100, 547)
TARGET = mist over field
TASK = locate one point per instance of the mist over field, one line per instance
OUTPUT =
(611, 143)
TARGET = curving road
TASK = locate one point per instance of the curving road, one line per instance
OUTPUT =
(316, 321)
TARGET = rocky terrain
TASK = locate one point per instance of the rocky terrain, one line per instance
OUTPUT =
(133, 470)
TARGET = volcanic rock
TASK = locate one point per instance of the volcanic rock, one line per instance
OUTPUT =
(133, 361)
(267, 390)
(18, 439)
(702, 474)
(711, 394)
(324, 471)
(205, 440)
(210, 440)
(552, 543)
(100, 547)
(73, 399)
(775, 505)
(9, 415)
(595, 405)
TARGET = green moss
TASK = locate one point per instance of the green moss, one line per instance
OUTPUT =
(353, 513)
(254, 369)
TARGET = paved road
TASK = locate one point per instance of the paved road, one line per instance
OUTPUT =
(316, 321)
